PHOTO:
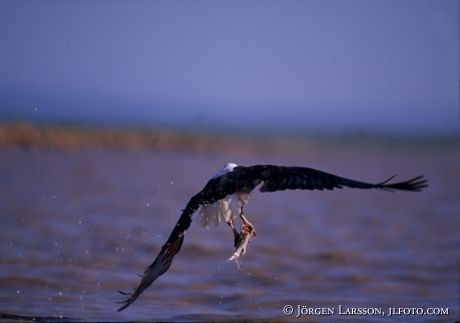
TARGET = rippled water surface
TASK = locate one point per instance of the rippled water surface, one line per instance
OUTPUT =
(78, 225)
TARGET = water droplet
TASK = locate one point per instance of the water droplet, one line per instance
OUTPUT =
(36, 108)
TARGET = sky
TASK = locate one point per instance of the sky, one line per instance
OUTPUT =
(314, 66)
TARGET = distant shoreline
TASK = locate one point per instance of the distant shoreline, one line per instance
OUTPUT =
(69, 136)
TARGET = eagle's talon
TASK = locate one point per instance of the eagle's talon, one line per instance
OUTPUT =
(248, 228)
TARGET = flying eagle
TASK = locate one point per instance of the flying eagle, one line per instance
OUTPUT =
(238, 181)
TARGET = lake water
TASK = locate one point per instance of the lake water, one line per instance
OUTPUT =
(80, 224)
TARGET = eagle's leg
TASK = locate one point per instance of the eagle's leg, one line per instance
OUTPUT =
(247, 226)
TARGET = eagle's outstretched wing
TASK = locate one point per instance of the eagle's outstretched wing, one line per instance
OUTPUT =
(163, 260)
(214, 190)
(279, 178)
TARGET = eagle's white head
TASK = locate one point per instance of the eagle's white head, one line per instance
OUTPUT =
(227, 169)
